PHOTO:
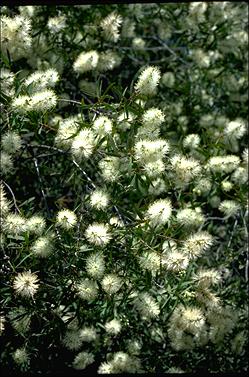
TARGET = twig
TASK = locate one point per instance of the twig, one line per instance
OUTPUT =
(84, 173)
(13, 196)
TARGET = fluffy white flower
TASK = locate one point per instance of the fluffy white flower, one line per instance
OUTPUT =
(14, 224)
(146, 305)
(36, 224)
(196, 243)
(82, 360)
(159, 212)
(168, 79)
(86, 61)
(56, 24)
(16, 36)
(153, 116)
(235, 129)
(87, 289)
(40, 80)
(108, 60)
(191, 141)
(157, 187)
(102, 126)
(240, 175)
(4, 203)
(26, 284)
(229, 207)
(111, 283)
(206, 278)
(190, 217)
(66, 219)
(83, 144)
(95, 265)
(42, 247)
(21, 356)
(7, 165)
(88, 334)
(113, 327)
(185, 169)
(174, 261)
(150, 260)
(67, 129)
(99, 199)
(72, 340)
(11, 142)
(110, 26)
(98, 234)
(223, 164)
(110, 168)
(147, 151)
(148, 80)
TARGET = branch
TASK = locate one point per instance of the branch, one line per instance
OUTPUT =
(13, 196)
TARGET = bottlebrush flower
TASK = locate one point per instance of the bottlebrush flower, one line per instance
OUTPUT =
(26, 284)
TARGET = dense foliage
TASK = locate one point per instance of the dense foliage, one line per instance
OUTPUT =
(124, 165)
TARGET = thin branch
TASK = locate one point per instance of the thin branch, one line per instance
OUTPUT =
(13, 196)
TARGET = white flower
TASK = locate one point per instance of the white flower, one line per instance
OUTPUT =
(42, 101)
(235, 129)
(82, 360)
(108, 60)
(86, 61)
(83, 144)
(147, 151)
(36, 224)
(21, 356)
(150, 260)
(159, 212)
(4, 203)
(185, 169)
(154, 169)
(88, 334)
(87, 289)
(148, 80)
(191, 141)
(196, 243)
(42, 247)
(168, 79)
(229, 207)
(147, 305)
(110, 26)
(113, 327)
(7, 165)
(99, 199)
(174, 261)
(72, 340)
(102, 126)
(111, 283)
(223, 164)
(40, 80)
(66, 219)
(14, 224)
(98, 234)
(56, 24)
(67, 128)
(95, 265)
(153, 116)
(110, 168)
(2, 322)
(138, 43)
(206, 278)
(190, 217)
(11, 142)
(26, 284)
(16, 36)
